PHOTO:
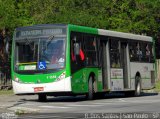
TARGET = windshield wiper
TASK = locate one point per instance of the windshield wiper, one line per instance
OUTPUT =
(50, 39)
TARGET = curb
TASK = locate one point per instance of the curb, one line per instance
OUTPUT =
(23, 110)
(151, 91)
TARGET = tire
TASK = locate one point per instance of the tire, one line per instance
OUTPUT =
(138, 86)
(42, 97)
(90, 95)
(137, 91)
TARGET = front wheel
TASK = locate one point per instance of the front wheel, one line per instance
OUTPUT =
(90, 94)
(42, 97)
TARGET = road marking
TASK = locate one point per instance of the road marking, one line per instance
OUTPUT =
(102, 103)
(23, 108)
(84, 105)
(143, 101)
(40, 117)
(54, 107)
(46, 117)
(121, 100)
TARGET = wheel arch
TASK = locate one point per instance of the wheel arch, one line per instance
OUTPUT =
(139, 75)
(138, 80)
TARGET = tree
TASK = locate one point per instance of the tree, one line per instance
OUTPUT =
(134, 16)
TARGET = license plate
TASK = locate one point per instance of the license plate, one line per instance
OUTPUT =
(38, 89)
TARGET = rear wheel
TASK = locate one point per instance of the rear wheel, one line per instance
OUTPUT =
(90, 94)
(42, 97)
(137, 91)
(138, 86)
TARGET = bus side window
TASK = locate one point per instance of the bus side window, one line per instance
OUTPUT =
(115, 53)
(134, 51)
(90, 50)
(76, 50)
(149, 52)
(139, 51)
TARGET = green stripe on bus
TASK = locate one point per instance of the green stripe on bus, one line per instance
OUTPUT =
(83, 29)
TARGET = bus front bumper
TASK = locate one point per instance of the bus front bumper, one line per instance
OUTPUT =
(63, 85)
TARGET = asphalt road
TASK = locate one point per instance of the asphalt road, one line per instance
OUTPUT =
(78, 107)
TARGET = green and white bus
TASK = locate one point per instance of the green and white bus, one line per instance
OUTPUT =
(65, 59)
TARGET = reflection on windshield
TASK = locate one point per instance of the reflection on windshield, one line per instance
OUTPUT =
(40, 54)
(53, 53)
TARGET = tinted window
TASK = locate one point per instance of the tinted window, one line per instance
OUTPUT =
(115, 53)
(90, 49)
(140, 51)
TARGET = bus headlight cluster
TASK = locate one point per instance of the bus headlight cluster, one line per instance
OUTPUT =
(16, 79)
(62, 76)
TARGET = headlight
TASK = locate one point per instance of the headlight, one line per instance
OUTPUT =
(62, 76)
(16, 79)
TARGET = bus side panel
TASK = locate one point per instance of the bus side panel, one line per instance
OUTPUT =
(117, 79)
(80, 80)
(97, 79)
(145, 73)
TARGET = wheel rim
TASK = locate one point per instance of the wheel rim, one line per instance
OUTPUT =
(138, 89)
(138, 86)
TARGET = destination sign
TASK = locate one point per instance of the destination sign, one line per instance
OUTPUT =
(40, 32)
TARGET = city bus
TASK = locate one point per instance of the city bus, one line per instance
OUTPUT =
(66, 59)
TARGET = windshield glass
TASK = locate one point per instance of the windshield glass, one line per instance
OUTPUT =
(40, 54)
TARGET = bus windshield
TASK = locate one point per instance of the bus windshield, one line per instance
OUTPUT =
(40, 54)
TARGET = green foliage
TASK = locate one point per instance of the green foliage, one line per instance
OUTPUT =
(135, 16)
(157, 87)
(7, 14)
(6, 92)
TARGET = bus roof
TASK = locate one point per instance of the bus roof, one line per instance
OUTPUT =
(115, 33)
(99, 31)
(124, 35)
